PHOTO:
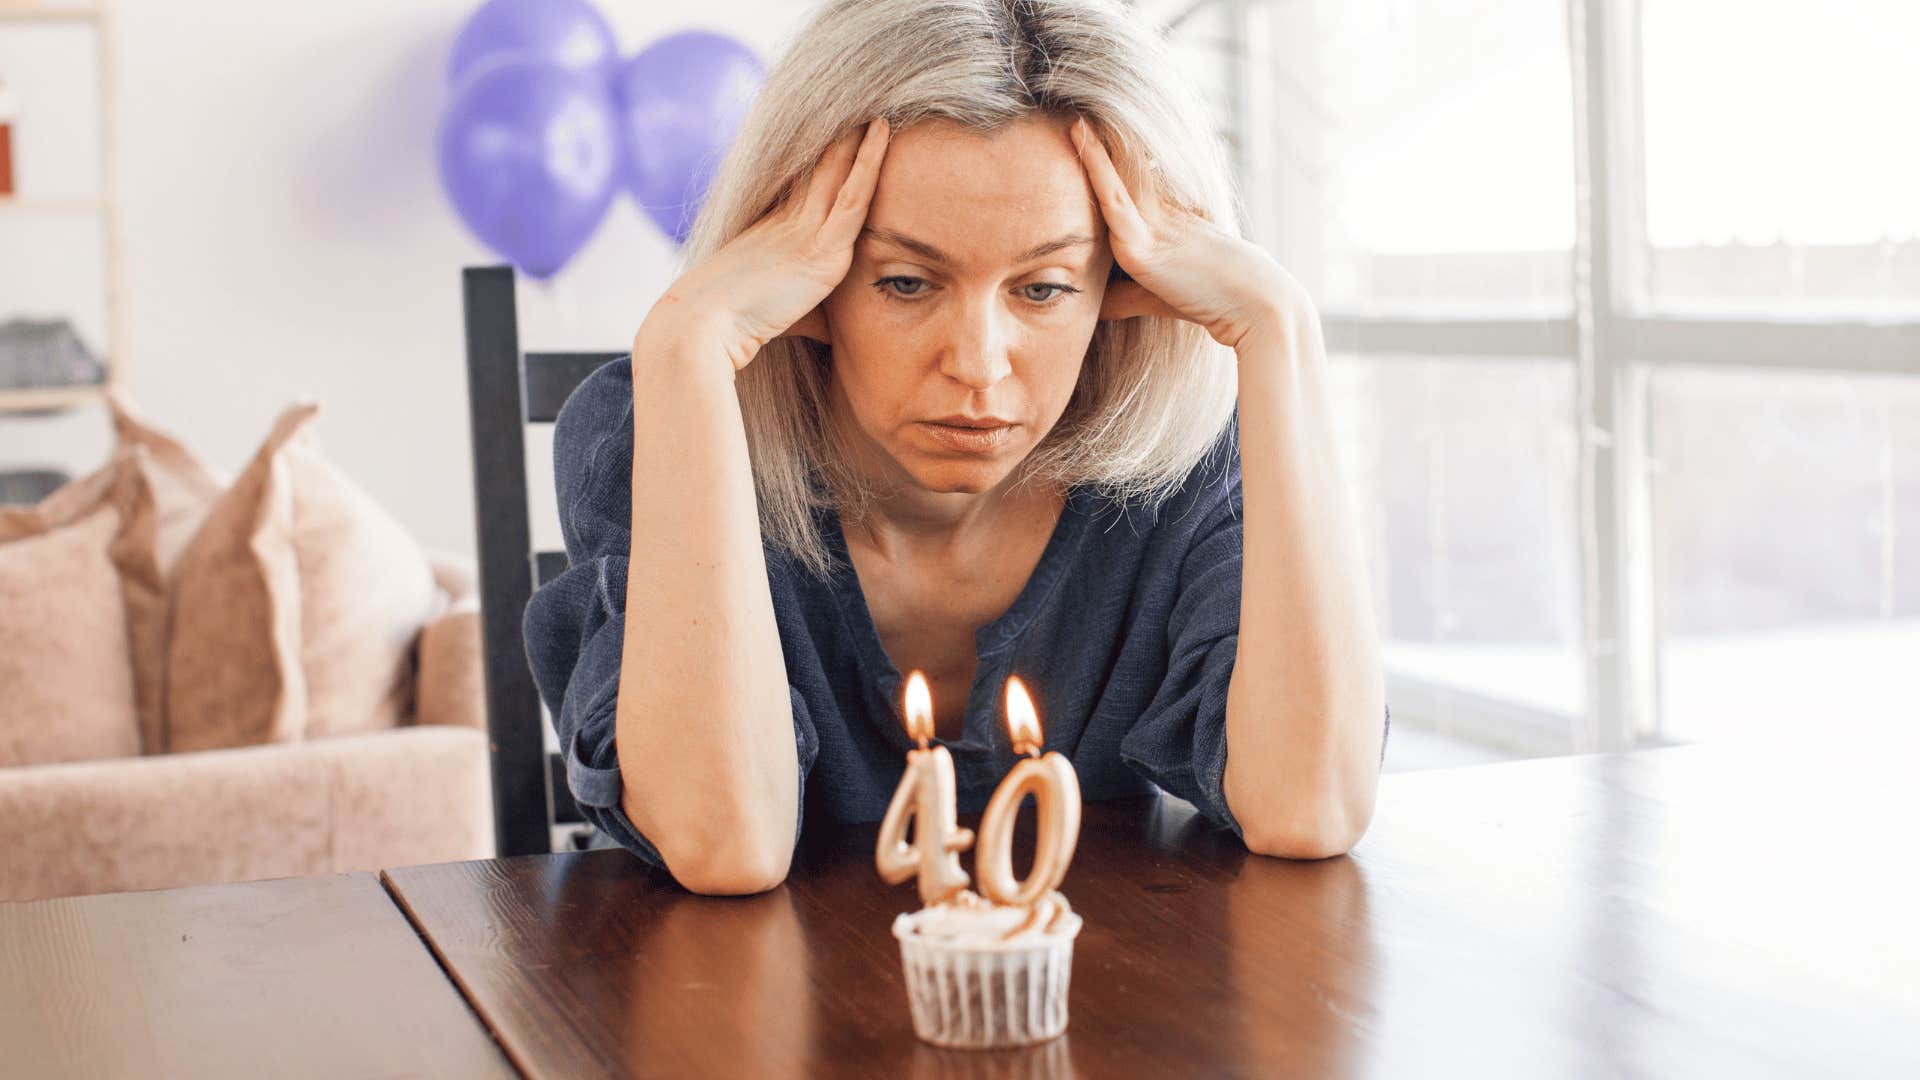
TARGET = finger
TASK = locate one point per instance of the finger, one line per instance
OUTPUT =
(830, 174)
(856, 192)
(1116, 203)
(802, 199)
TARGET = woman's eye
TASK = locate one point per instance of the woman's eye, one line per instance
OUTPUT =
(1060, 290)
(885, 286)
(889, 288)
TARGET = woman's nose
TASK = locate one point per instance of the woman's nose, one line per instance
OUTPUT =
(977, 345)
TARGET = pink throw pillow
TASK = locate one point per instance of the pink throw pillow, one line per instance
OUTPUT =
(66, 669)
(296, 605)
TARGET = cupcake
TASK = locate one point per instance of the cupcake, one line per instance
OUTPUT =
(982, 975)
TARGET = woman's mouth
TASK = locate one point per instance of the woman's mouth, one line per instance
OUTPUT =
(967, 439)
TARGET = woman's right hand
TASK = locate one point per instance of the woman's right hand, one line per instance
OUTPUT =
(769, 280)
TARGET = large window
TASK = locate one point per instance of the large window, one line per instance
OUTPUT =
(1782, 175)
(1623, 302)
(1786, 521)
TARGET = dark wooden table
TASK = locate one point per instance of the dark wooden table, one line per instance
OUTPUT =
(315, 976)
(1686, 912)
(1682, 912)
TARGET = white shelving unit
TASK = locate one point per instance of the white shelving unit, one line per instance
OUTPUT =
(22, 19)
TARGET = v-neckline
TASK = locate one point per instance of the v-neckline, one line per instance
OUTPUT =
(977, 731)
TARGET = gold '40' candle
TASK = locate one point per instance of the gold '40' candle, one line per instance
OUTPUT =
(1056, 790)
(926, 795)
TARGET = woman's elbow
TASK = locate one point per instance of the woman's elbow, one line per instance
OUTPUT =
(729, 874)
(1307, 835)
(716, 858)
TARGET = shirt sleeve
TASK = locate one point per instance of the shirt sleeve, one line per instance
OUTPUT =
(574, 625)
(1180, 741)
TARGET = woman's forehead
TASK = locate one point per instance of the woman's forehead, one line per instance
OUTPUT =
(972, 197)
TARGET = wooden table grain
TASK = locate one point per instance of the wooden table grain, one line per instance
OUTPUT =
(1676, 912)
(293, 977)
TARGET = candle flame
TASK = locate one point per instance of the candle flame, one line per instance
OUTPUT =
(919, 709)
(1023, 724)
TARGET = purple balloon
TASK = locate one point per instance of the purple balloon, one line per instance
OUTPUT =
(681, 101)
(570, 33)
(529, 155)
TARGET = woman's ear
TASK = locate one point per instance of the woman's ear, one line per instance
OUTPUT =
(1126, 299)
(813, 326)
(1114, 299)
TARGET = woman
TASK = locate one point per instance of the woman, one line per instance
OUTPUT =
(958, 389)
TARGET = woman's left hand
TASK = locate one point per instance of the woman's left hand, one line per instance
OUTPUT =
(1182, 265)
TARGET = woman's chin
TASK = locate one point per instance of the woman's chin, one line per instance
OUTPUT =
(957, 478)
(948, 466)
(958, 474)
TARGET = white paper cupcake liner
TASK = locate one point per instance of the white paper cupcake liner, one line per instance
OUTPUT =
(973, 996)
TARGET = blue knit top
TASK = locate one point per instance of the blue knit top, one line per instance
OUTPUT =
(1125, 634)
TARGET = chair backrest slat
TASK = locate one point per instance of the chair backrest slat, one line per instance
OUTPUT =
(506, 390)
(548, 565)
(552, 376)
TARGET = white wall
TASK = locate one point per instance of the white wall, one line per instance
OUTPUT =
(286, 236)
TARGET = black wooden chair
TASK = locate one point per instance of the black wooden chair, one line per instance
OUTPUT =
(506, 390)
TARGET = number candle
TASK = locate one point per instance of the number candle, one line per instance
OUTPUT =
(1056, 790)
(925, 794)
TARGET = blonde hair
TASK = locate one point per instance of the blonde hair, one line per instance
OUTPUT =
(1154, 394)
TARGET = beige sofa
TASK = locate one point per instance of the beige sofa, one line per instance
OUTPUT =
(416, 793)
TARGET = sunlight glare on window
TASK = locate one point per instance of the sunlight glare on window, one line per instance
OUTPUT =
(1776, 122)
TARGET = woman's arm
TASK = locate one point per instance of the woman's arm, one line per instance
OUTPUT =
(703, 725)
(1305, 701)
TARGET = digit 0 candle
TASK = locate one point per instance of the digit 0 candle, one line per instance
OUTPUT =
(1056, 791)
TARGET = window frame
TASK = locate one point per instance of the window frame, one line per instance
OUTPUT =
(1614, 337)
